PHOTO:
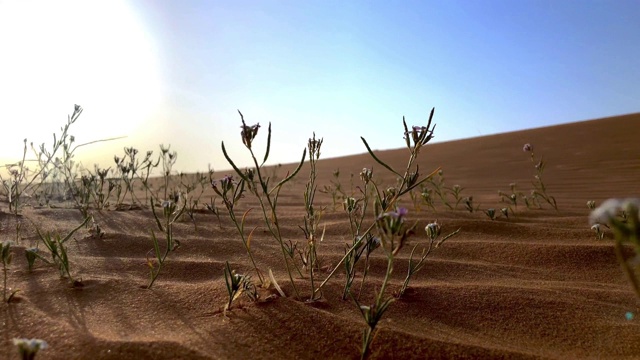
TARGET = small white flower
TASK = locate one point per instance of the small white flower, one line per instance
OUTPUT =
(609, 209)
(30, 345)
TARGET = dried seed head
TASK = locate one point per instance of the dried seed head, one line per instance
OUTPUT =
(314, 147)
(248, 133)
(350, 205)
(366, 175)
(433, 230)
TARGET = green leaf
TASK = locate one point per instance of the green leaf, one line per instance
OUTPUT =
(266, 155)
(226, 156)
(304, 155)
(376, 158)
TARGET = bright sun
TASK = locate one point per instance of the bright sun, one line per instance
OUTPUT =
(59, 53)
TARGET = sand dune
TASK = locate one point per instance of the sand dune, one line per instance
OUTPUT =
(536, 285)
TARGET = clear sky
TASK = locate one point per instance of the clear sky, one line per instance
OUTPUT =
(176, 71)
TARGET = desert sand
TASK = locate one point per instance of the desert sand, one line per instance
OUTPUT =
(536, 285)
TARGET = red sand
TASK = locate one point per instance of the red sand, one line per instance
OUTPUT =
(538, 285)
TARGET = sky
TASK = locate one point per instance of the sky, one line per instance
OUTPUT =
(176, 72)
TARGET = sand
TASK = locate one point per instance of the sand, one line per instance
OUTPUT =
(536, 285)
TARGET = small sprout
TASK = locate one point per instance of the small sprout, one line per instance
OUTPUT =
(28, 348)
(527, 148)
(468, 203)
(591, 204)
(491, 213)
(599, 232)
(238, 284)
(6, 256)
(505, 212)
(32, 254)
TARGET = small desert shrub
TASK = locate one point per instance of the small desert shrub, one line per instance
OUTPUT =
(258, 184)
(57, 248)
(623, 217)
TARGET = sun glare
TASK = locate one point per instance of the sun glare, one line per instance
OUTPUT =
(59, 53)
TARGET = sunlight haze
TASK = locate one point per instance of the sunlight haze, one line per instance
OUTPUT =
(176, 72)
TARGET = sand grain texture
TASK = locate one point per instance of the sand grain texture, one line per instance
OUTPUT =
(538, 285)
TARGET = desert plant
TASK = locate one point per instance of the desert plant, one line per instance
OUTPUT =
(393, 234)
(170, 214)
(56, 246)
(22, 180)
(6, 256)
(468, 204)
(511, 199)
(213, 208)
(386, 200)
(33, 254)
(540, 190)
(309, 254)
(623, 217)
(231, 192)
(433, 232)
(439, 188)
(456, 191)
(598, 230)
(167, 159)
(491, 213)
(268, 198)
(238, 284)
(356, 210)
(389, 224)
(28, 348)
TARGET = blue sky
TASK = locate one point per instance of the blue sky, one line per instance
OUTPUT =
(343, 69)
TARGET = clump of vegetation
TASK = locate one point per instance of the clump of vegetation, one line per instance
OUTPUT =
(259, 185)
(539, 188)
(58, 250)
(171, 212)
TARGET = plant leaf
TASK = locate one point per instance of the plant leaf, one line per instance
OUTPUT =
(304, 155)
(376, 158)
(275, 284)
(266, 154)
(226, 156)
(250, 237)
